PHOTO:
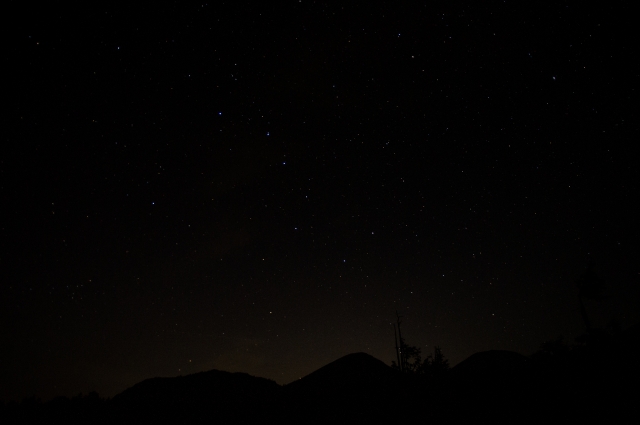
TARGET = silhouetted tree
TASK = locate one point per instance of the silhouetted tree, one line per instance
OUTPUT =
(434, 365)
(413, 359)
(409, 357)
(399, 345)
(439, 364)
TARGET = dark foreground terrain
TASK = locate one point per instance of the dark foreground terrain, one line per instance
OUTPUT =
(589, 382)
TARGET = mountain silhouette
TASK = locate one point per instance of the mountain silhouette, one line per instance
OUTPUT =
(198, 385)
(356, 388)
(357, 371)
(348, 390)
(198, 398)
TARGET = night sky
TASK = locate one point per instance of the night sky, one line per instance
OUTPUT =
(259, 188)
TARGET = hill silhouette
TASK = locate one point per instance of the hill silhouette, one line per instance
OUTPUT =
(356, 388)
(196, 387)
(588, 381)
(341, 391)
(357, 371)
(198, 398)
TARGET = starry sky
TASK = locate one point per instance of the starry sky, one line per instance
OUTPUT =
(260, 187)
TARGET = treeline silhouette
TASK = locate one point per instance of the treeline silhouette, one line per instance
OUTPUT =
(409, 358)
(592, 379)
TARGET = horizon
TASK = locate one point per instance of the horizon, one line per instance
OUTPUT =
(110, 396)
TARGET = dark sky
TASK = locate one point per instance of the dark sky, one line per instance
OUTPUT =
(259, 188)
